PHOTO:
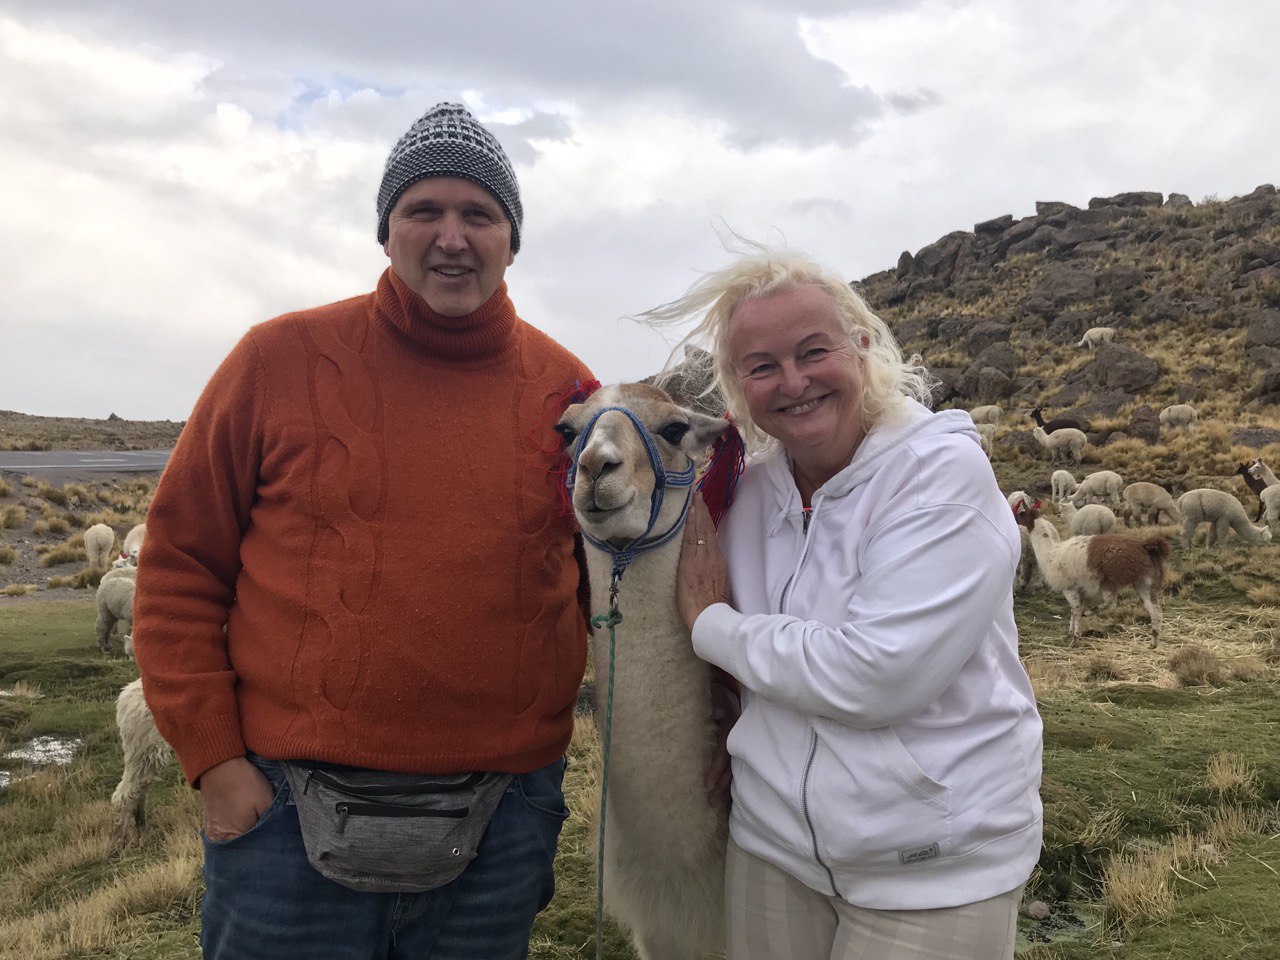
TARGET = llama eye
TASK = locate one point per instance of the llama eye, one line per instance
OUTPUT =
(567, 433)
(673, 433)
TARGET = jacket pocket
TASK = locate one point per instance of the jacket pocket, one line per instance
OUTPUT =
(871, 804)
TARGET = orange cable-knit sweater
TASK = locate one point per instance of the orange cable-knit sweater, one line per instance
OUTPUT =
(365, 496)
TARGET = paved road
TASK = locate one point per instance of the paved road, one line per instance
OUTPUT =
(36, 462)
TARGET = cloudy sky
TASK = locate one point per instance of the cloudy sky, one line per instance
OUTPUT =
(174, 172)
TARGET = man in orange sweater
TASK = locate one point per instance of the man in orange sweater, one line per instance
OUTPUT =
(357, 560)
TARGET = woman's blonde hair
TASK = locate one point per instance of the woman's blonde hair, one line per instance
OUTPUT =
(762, 272)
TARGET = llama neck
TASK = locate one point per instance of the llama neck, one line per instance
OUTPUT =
(1268, 477)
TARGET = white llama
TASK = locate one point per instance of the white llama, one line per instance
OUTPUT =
(664, 841)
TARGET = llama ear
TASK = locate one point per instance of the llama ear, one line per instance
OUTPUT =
(703, 432)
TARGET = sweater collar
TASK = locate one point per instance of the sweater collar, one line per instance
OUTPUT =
(486, 333)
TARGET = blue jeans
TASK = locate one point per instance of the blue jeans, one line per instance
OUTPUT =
(264, 900)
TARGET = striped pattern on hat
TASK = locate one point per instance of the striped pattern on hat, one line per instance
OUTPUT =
(447, 141)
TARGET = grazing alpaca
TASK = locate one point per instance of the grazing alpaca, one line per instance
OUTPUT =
(1098, 487)
(990, 413)
(1149, 502)
(1065, 443)
(1090, 519)
(1090, 571)
(115, 604)
(987, 438)
(1062, 484)
(1057, 423)
(132, 545)
(1269, 496)
(1222, 512)
(664, 842)
(1256, 484)
(1021, 503)
(1095, 336)
(145, 755)
(98, 541)
(1179, 415)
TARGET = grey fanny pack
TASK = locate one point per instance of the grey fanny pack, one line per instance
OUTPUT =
(383, 832)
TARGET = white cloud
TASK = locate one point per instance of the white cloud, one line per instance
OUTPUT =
(178, 172)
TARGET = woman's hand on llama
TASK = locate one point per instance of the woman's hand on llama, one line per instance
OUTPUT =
(725, 709)
(703, 578)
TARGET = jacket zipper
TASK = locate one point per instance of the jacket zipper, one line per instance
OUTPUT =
(813, 736)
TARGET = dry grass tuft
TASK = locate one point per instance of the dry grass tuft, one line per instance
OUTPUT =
(26, 690)
(1195, 665)
(1101, 667)
(6, 488)
(54, 525)
(1268, 593)
(60, 553)
(14, 515)
(54, 583)
(1137, 888)
(18, 590)
(1248, 669)
(7, 554)
(1230, 773)
(48, 491)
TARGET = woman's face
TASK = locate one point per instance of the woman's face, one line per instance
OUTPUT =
(800, 374)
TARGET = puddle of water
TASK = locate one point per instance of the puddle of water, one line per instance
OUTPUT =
(43, 751)
(36, 753)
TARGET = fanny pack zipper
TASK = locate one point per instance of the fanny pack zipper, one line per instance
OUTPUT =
(392, 790)
(345, 808)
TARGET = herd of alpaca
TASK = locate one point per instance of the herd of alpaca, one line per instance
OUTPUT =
(1092, 508)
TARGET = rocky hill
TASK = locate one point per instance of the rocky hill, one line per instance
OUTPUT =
(1192, 290)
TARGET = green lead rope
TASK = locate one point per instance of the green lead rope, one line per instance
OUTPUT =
(610, 620)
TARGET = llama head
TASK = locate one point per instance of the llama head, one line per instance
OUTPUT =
(1025, 512)
(613, 477)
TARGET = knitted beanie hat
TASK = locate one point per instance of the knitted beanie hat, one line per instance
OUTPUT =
(447, 141)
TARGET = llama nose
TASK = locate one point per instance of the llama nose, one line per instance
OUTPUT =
(599, 461)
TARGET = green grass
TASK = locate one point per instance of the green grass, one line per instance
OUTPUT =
(1125, 770)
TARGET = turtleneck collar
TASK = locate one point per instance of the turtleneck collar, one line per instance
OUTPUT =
(486, 333)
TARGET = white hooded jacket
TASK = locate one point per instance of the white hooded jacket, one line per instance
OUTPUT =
(889, 748)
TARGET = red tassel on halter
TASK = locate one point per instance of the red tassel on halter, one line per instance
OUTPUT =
(578, 393)
(720, 481)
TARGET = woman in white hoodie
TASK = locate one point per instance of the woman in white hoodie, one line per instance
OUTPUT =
(886, 765)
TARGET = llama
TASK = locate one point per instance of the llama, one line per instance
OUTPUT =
(98, 541)
(1222, 512)
(1098, 487)
(1021, 502)
(1256, 484)
(1269, 496)
(145, 756)
(664, 842)
(1062, 485)
(1179, 415)
(1148, 503)
(132, 546)
(1090, 519)
(987, 438)
(115, 603)
(1057, 423)
(1096, 336)
(1064, 443)
(989, 413)
(1090, 571)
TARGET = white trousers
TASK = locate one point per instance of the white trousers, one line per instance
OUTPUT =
(770, 915)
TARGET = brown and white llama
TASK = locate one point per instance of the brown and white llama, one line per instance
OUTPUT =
(664, 848)
(1089, 571)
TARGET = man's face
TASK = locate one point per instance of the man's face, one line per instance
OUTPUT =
(450, 242)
